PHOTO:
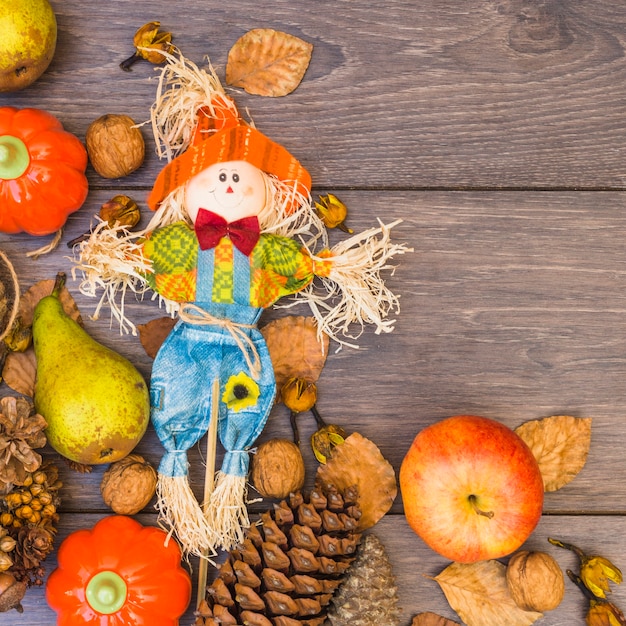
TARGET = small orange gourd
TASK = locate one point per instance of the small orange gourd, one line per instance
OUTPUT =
(42, 172)
(119, 572)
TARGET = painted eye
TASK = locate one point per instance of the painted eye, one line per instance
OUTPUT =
(222, 177)
(235, 178)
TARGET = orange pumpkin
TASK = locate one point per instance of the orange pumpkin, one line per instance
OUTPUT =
(42, 172)
(118, 573)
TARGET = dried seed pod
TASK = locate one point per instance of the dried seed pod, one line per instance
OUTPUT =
(121, 210)
(277, 468)
(115, 145)
(128, 485)
(535, 581)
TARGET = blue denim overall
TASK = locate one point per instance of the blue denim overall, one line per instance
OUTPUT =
(192, 357)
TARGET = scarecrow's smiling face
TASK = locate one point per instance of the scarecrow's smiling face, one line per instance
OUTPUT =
(233, 190)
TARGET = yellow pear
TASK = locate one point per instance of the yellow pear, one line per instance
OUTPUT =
(27, 43)
(95, 401)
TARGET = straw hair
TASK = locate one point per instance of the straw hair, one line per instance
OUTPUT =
(355, 290)
(195, 125)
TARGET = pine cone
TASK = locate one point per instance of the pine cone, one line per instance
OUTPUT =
(21, 430)
(289, 566)
(368, 595)
(34, 543)
(28, 514)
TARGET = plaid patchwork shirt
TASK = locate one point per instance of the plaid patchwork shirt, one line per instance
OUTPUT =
(277, 266)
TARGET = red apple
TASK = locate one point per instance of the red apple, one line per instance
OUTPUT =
(472, 489)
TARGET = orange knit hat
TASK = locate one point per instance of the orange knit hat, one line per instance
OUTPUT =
(228, 138)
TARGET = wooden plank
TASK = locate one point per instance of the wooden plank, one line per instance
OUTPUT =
(414, 565)
(511, 304)
(412, 95)
(510, 307)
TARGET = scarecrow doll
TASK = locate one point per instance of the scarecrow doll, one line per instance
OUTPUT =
(234, 231)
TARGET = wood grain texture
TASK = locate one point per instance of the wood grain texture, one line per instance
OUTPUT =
(495, 130)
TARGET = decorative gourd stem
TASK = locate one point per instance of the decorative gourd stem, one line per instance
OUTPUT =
(14, 157)
(106, 592)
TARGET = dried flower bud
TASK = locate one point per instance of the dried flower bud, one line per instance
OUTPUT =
(5, 562)
(19, 337)
(332, 212)
(595, 571)
(149, 44)
(604, 613)
(299, 394)
(120, 210)
(325, 439)
(7, 544)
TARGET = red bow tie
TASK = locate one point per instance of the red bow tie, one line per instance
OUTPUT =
(210, 228)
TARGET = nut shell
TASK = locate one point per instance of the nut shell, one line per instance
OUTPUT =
(535, 581)
(128, 485)
(115, 145)
(277, 468)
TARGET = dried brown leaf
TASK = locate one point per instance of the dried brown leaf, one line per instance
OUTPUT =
(432, 619)
(20, 370)
(358, 461)
(268, 62)
(43, 288)
(478, 592)
(295, 349)
(560, 444)
(153, 334)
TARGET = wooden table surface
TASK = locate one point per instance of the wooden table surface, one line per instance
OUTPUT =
(496, 131)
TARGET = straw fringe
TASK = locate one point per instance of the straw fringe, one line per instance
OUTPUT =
(180, 514)
(355, 291)
(227, 511)
(112, 260)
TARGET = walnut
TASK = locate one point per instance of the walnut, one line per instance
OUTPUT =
(115, 145)
(535, 581)
(277, 468)
(128, 484)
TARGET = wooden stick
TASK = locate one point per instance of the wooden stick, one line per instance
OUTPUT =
(209, 473)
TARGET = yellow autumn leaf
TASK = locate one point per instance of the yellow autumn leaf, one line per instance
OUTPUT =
(268, 62)
(478, 592)
(560, 444)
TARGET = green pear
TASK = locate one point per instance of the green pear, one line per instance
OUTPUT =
(28, 41)
(95, 401)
